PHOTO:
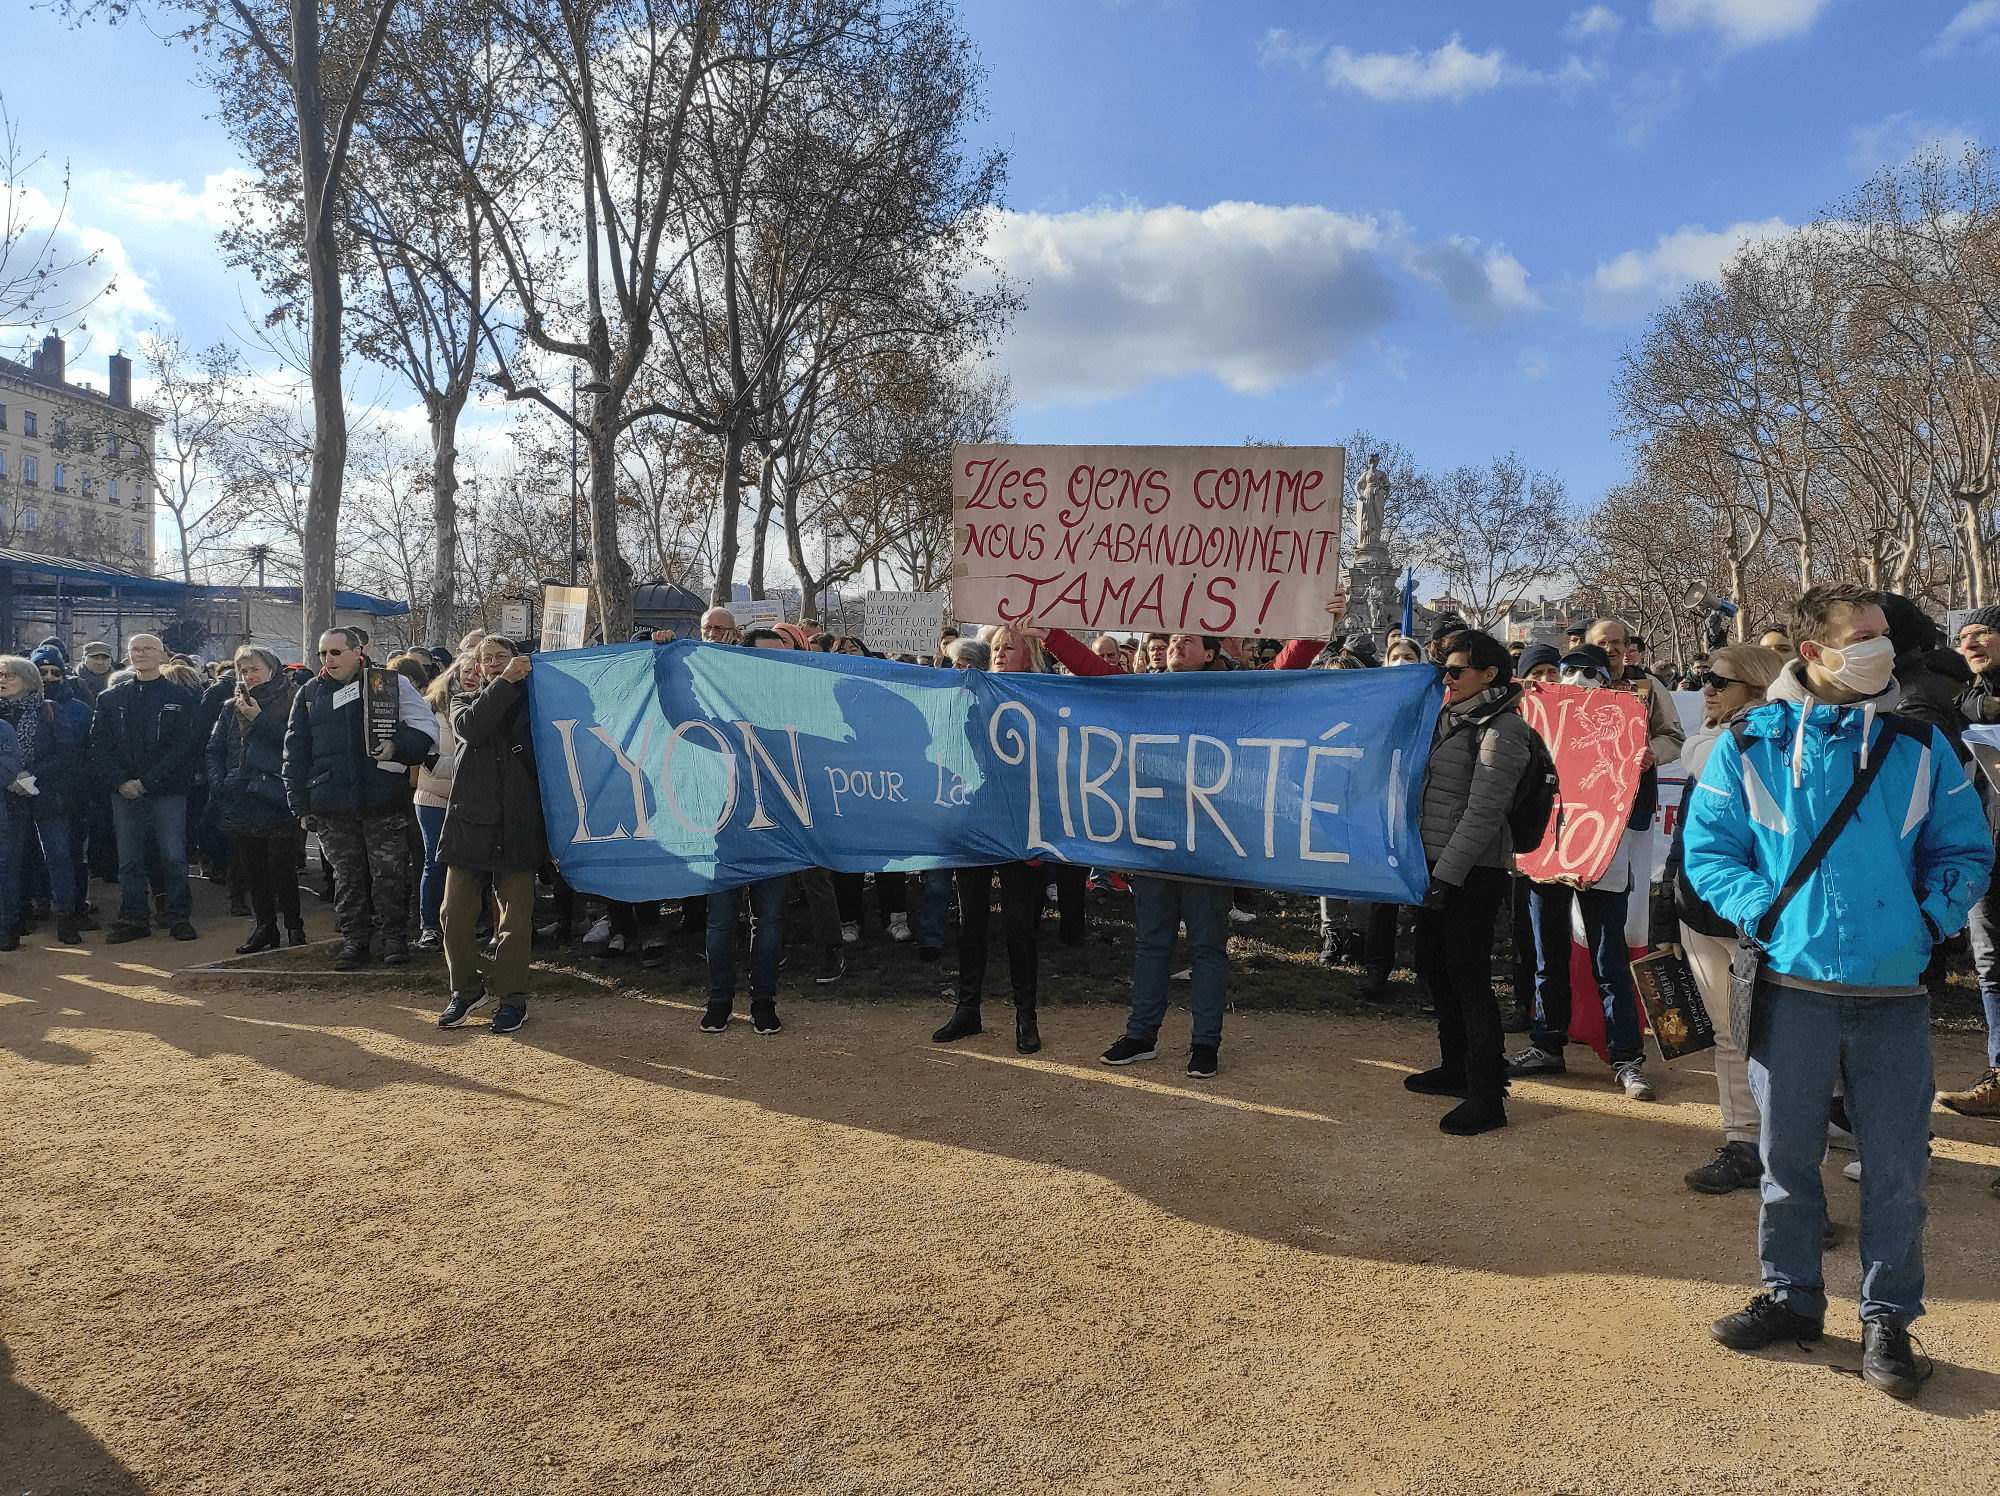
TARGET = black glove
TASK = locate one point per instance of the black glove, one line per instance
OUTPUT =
(1438, 894)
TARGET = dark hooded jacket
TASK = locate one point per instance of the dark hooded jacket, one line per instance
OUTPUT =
(145, 730)
(493, 822)
(1477, 759)
(246, 761)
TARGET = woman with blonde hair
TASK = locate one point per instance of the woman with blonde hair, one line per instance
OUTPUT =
(1733, 684)
(1014, 649)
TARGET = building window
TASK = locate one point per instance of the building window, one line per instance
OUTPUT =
(3, 418)
(62, 478)
(111, 446)
(111, 491)
(138, 539)
(62, 526)
(60, 441)
(29, 519)
(27, 423)
(138, 493)
(29, 475)
(86, 484)
(3, 464)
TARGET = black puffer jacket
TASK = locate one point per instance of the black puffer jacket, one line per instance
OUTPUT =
(1477, 759)
(493, 822)
(246, 762)
(327, 768)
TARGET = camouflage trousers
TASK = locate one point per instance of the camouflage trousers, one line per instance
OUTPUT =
(370, 856)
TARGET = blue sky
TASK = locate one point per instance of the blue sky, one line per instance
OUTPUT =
(1439, 221)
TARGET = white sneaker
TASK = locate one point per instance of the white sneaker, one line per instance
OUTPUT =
(1240, 916)
(1632, 1077)
(599, 931)
(899, 928)
(1853, 1171)
(850, 933)
(1053, 895)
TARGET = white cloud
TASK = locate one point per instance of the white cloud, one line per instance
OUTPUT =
(93, 273)
(171, 202)
(1533, 363)
(1254, 295)
(1743, 23)
(1892, 141)
(1979, 22)
(1451, 72)
(1640, 279)
(1599, 20)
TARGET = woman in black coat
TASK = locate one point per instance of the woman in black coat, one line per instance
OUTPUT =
(492, 828)
(246, 787)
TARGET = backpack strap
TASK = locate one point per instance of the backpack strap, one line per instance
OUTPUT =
(1893, 727)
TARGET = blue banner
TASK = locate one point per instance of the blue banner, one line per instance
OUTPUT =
(674, 769)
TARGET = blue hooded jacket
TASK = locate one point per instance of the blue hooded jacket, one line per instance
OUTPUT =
(1902, 875)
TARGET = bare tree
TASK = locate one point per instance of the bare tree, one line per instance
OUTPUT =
(196, 399)
(1493, 535)
(42, 280)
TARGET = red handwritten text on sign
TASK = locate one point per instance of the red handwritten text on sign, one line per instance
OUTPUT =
(1214, 540)
(1598, 740)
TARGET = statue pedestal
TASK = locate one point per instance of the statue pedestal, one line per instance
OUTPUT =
(1373, 606)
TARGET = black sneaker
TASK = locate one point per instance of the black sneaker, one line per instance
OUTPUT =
(1765, 1322)
(124, 931)
(764, 1016)
(653, 955)
(1438, 1082)
(510, 1017)
(86, 921)
(1888, 1361)
(832, 966)
(1735, 1166)
(459, 1009)
(715, 1017)
(1129, 1050)
(929, 952)
(395, 950)
(1201, 1060)
(295, 935)
(182, 930)
(353, 955)
(1533, 1061)
(66, 930)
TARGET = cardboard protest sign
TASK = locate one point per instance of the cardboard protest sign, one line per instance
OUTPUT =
(1212, 540)
(898, 623)
(1598, 740)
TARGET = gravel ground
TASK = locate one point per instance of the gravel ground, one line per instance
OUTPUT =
(300, 1240)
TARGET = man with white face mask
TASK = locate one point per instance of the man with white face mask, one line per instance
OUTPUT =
(1844, 950)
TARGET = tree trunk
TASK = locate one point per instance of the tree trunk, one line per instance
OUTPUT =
(1975, 548)
(732, 488)
(610, 574)
(329, 455)
(766, 501)
(444, 412)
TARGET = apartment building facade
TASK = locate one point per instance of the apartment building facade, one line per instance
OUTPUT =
(76, 463)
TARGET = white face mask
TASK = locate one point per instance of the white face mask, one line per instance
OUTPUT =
(1863, 668)
(1580, 678)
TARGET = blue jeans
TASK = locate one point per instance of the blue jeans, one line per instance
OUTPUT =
(1801, 1043)
(1610, 961)
(164, 819)
(1162, 903)
(430, 893)
(1984, 928)
(934, 918)
(32, 817)
(767, 905)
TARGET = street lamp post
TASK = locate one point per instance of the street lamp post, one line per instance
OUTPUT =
(572, 475)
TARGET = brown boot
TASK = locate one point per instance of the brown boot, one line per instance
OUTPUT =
(1982, 1099)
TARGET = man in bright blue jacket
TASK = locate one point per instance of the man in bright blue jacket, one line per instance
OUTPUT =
(1844, 964)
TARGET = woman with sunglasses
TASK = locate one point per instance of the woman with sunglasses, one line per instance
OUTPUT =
(1733, 683)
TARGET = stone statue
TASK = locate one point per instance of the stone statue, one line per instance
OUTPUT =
(1371, 495)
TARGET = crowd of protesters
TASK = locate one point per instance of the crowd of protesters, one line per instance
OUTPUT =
(1836, 834)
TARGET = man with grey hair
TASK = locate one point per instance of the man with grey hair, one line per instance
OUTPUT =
(144, 744)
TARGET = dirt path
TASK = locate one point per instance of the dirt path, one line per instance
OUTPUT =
(306, 1242)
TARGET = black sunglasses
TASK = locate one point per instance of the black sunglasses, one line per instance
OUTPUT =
(1453, 672)
(1708, 680)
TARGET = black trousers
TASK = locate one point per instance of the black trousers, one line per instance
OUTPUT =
(1454, 960)
(1020, 908)
(1070, 879)
(891, 896)
(269, 860)
(1523, 942)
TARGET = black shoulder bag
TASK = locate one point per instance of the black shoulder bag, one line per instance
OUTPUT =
(1746, 963)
